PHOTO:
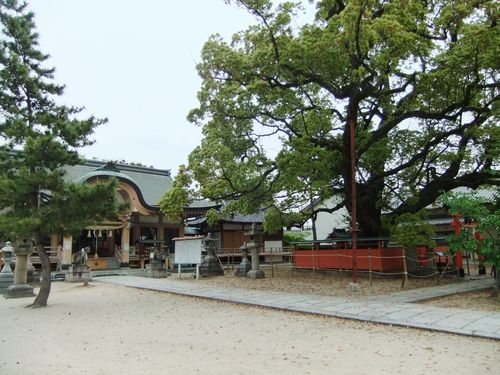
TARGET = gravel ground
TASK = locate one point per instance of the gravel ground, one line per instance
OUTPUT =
(336, 284)
(332, 283)
(481, 300)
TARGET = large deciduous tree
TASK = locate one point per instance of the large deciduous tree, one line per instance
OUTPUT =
(419, 80)
(38, 138)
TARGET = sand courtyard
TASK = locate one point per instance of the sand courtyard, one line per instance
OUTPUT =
(107, 329)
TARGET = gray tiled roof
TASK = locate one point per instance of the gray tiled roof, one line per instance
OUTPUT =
(489, 194)
(252, 218)
(237, 218)
(440, 220)
(203, 203)
(153, 183)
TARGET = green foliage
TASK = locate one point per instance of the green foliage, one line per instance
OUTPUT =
(419, 80)
(479, 214)
(275, 220)
(290, 237)
(411, 230)
(213, 216)
(181, 195)
(468, 205)
(489, 226)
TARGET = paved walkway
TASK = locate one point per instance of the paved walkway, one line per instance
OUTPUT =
(393, 309)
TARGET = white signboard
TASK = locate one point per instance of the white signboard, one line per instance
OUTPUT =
(188, 250)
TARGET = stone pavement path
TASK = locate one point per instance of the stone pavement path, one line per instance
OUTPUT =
(391, 309)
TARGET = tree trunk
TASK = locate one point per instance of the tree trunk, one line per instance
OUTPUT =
(369, 214)
(45, 282)
(496, 289)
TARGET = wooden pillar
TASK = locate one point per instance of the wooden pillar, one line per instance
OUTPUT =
(67, 251)
(110, 239)
(160, 235)
(125, 246)
(55, 240)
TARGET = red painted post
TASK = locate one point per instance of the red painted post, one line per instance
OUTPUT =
(354, 218)
(458, 228)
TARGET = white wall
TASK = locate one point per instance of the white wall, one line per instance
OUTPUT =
(273, 246)
(325, 222)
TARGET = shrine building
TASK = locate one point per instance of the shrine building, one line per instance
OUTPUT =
(117, 244)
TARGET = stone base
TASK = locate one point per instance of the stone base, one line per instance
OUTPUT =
(211, 267)
(243, 269)
(256, 274)
(20, 291)
(353, 287)
(156, 271)
(78, 273)
(6, 280)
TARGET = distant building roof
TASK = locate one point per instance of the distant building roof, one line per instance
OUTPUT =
(246, 219)
(257, 218)
(199, 208)
(490, 194)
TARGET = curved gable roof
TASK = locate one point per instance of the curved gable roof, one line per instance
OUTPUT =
(149, 183)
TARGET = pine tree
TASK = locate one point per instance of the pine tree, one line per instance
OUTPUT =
(38, 138)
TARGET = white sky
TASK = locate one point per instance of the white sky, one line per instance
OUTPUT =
(134, 63)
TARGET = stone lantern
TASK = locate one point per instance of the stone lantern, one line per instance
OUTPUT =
(21, 288)
(6, 275)
(210, 265)
(254, 245)
(245, 265)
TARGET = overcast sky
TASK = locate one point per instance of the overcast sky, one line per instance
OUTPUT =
(134, 63)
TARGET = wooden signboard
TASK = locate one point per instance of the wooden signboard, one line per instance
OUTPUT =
(188, 251)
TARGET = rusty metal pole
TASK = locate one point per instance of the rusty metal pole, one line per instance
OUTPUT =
(354, 219)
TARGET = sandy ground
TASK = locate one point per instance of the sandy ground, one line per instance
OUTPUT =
(329, 283)
(105, 329)
(481, 300)
(336, 284)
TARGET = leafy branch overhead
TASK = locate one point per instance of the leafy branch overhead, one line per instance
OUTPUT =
(181, 195)
(419, 79)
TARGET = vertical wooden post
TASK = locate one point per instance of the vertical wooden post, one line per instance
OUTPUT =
(405, 269)
(370, 265)
(232, 264)
(272, 263)
(434, 256)
(313, 260)
(67, 251)
(125, 240)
